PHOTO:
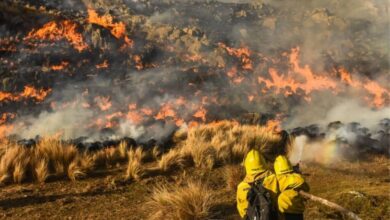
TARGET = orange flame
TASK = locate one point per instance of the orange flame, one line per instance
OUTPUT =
(242, 53)
(371, 87)
(147, 111)
(165, 111)
(138, 62)
(60, 66)
(102, 65)
(103, 103)
(28, 92)
(201, 113)
(134, 117)
(309, 83)
(378, 92)
(273, 125)
(59, 30)
(117, 29)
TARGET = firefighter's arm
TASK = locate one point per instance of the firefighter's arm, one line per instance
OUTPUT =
(242, 203)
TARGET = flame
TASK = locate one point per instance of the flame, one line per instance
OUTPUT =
(165, 111)
(28, 92)
(138, 62)
(242, 53)
(201, 113)
(347, 78)
(181, 101)
(60, 66)
(378, 92)
(274, 125)
(103, 103)
(135, 117)
(102, 65)
(147, 111)
(117, 29)
(55, 31)
(6, 129)
(289, 85)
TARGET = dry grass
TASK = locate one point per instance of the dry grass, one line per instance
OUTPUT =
(233, 175)
(41, 170)
(49, 157)
(218, 143)
(173, 159)
(109, 157)
(206, 147)
(192, 201)
(134, 169)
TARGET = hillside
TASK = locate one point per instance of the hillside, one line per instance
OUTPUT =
(209, 155)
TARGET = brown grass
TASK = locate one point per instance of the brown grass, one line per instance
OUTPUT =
(41, 170)
(205, 147)
(233, 175)
(173, 159)
(134, 169)
(192, 201)
(49, 157)
(219, 143)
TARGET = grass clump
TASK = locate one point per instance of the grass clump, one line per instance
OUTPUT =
(194, 200)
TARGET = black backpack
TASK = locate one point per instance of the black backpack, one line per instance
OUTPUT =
(259, 199)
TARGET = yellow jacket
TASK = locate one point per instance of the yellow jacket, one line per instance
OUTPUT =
(289, 200)
(270, 183)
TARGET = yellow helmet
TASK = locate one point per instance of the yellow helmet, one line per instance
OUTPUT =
(282, 165)
(254, 163)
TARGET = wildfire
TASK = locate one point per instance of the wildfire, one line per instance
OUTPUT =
(371, 87)
(378, 92)
(103, 103)
(274, 125)
(102, 65)
(165, 111)
(55, 31)
(60, 66)
(117, 29)
(201, 113)
(241, 53)
(289, 85)
(28, 92)
(138, 62)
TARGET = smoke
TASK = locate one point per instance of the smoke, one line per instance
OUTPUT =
(178, 73)
(323, 110)
(324, 151)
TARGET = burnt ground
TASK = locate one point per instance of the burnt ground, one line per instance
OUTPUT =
(361, 186)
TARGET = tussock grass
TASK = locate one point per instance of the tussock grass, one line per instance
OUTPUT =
(134, 169)
(173, 159)
(109, 157)
(219, 143)
(191, 201)
(233, 175)
(49, 157)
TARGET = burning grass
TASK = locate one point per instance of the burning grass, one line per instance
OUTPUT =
(194, 200)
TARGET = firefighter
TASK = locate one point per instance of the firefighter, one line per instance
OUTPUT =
(290, 204)
(255, 168)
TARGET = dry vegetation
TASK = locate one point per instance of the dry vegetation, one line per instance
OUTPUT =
(194, 200)
(51, 158)
(217, 144)
(211, 154)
